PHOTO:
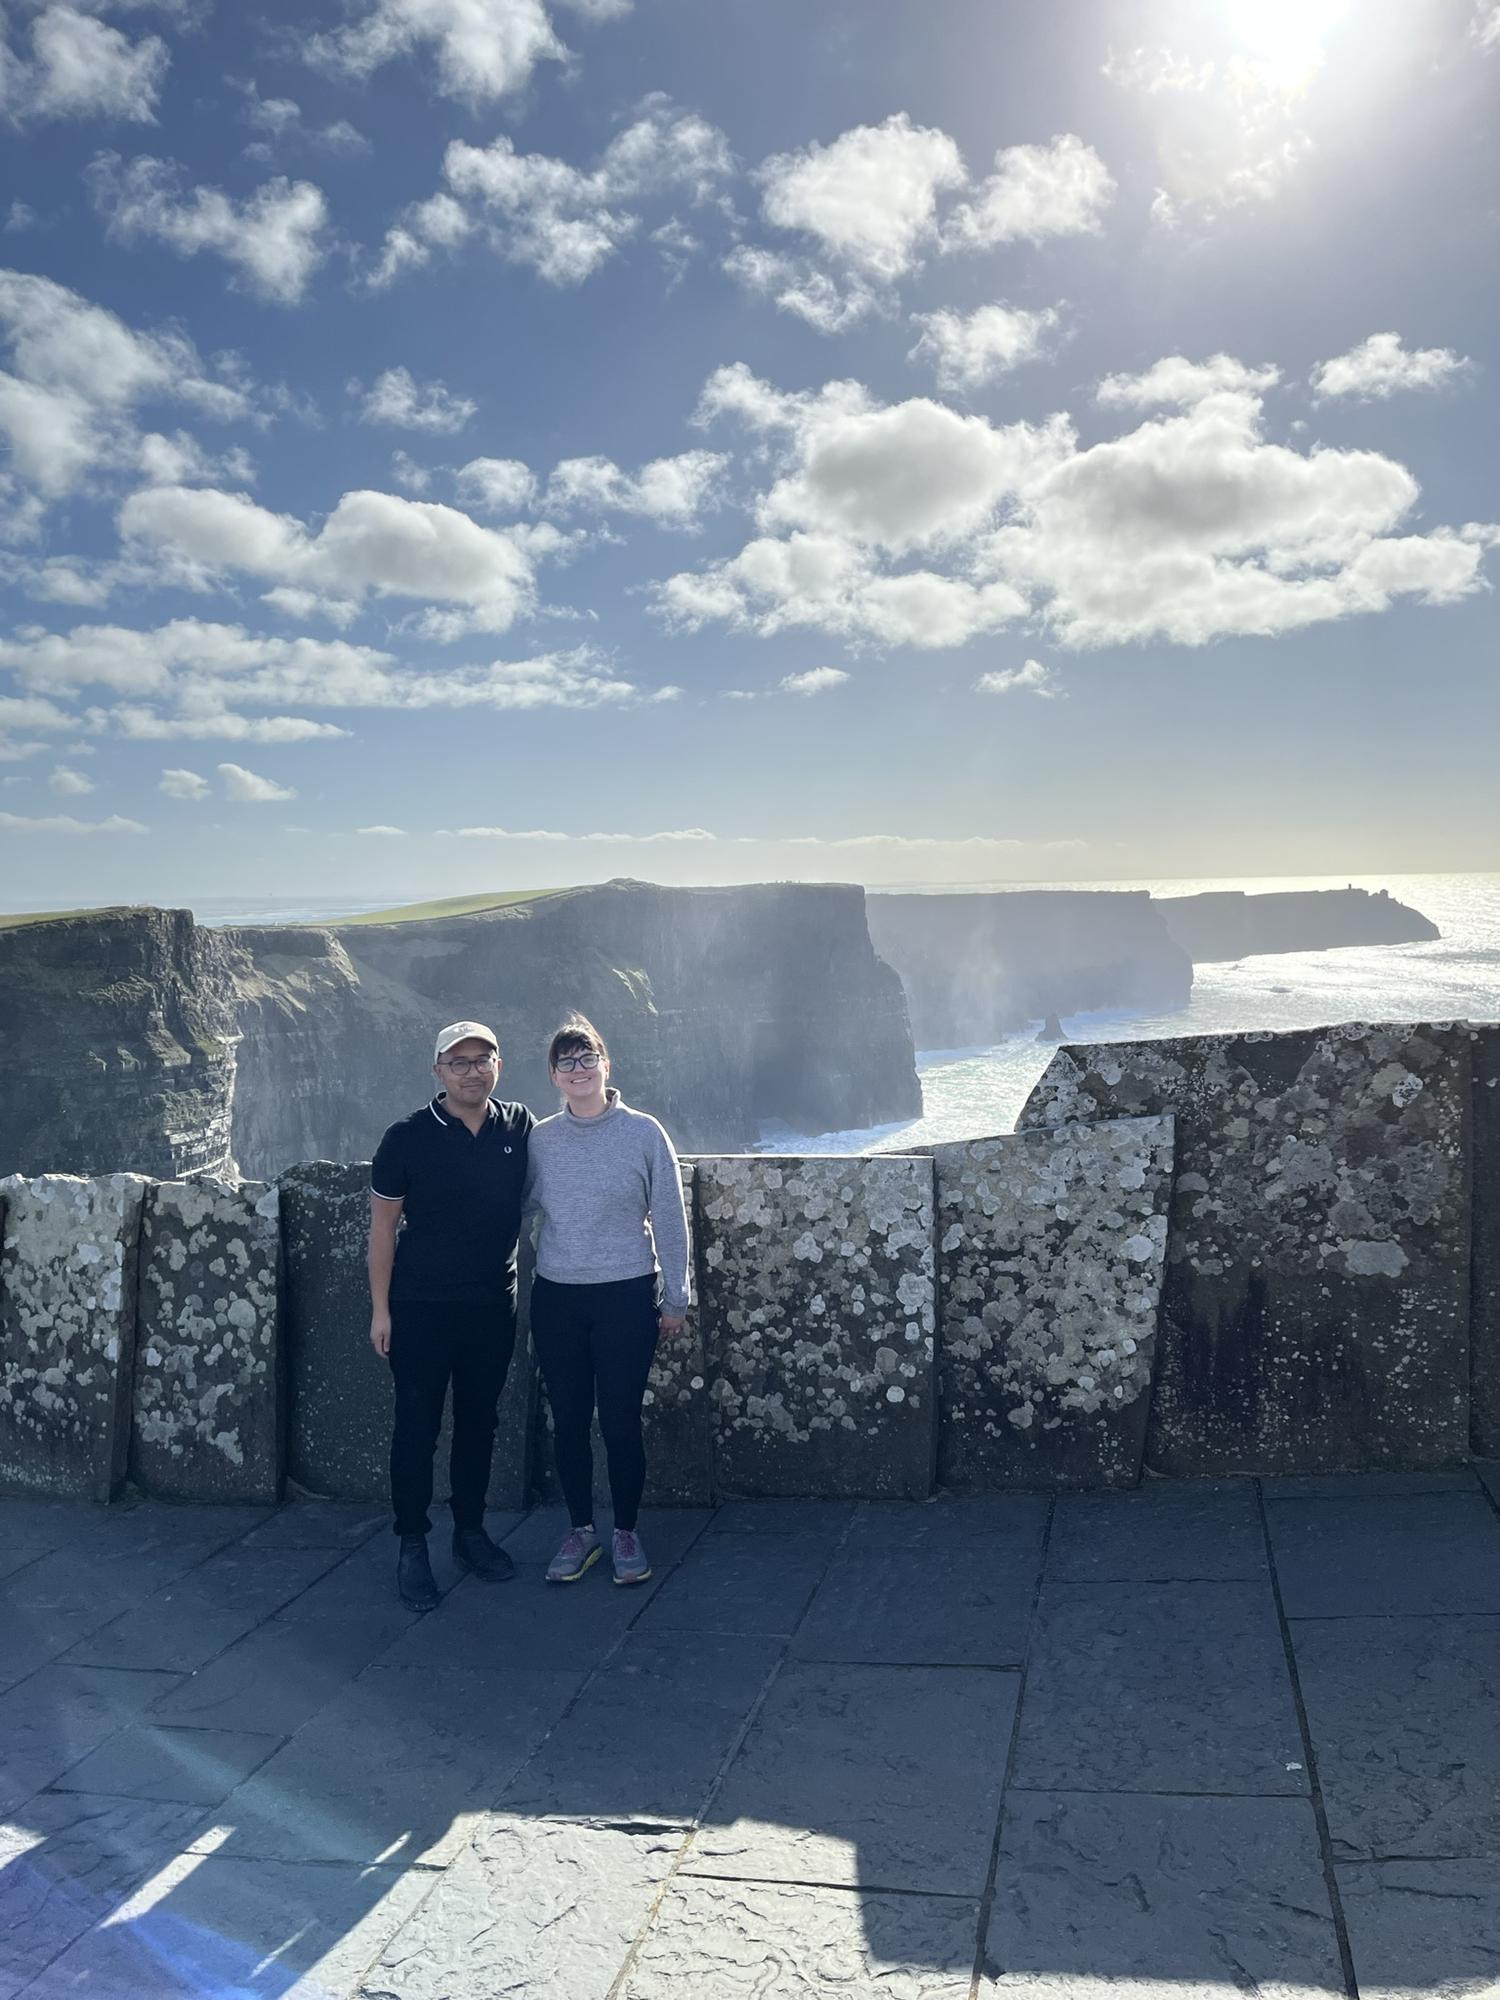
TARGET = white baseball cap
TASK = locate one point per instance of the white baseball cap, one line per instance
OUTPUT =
(463, 1031)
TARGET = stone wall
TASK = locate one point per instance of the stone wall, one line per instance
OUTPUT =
(1272, 1254)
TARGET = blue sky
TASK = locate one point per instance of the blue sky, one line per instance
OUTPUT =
(448, 444)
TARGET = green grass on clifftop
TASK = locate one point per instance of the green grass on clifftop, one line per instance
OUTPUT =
(20, 917)
(446, 906)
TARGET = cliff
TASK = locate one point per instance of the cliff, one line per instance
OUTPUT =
(117, 1044)
(977, 966)
(723, 1009)
(135, 1040)
(1227, 924)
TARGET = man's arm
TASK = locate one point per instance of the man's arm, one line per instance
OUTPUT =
(385, 1220)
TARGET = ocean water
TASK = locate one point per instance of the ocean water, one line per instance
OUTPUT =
(974, 1093)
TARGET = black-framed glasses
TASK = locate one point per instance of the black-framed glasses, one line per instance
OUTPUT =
(461, 1065)
(589, 1059)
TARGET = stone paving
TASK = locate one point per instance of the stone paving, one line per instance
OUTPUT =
(1241, 1737)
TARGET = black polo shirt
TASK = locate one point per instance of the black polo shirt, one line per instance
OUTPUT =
(461, 1196)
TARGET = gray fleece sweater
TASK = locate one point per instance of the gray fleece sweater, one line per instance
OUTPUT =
(609, 1196)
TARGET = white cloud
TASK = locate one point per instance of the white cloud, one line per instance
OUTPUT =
(795, 285)
(1035, 192)
(408, 475)
(475, 579)
(397, 398)
(817, 680)
(967, 350)
(485, 49)
(179, 460)
(1032, 678)
(1381, 366)
(78, 374)
(70, 783)
(249, 788)
(1228, 131)
(60, 823)
(19, 216)
(280, 120)
(557, 218)
(686, 833)
(180, 784)
(207, 672)
(440, 222)
(274, 240)
(1189, 528)
(868, 199)
(672, 491)
(207, 722)
(387, 831)
(81, 67)
(495, 485)
(1175, 380)
(1485, 26)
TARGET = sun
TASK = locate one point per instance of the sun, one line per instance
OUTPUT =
(1285, 39)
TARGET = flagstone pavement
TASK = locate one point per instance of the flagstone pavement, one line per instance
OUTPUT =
(1242, 1737)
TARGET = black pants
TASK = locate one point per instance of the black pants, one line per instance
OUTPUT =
(594, 1344)
(433, 1342)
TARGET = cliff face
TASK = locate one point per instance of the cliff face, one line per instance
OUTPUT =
(1228, 924)
(133, 1040)
(723, 1008)
(117, 1045)
(978, 966)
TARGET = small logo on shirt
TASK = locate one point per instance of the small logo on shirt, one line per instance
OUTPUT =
(507, 1149)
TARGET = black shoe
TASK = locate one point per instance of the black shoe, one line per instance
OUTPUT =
(414, 1575)
(473, 1550)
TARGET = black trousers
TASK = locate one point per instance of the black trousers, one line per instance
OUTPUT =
(434, 1342)
(594, 1345)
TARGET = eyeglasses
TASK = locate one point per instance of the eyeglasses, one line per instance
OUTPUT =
(461, 1065)
(590, 1059)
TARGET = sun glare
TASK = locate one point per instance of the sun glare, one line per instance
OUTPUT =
(1285, 38)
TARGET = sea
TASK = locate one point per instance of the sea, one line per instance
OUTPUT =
(979, 1092)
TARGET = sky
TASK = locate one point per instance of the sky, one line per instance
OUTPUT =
(463, 444)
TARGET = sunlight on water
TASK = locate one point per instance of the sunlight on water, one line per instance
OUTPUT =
(971, 1093)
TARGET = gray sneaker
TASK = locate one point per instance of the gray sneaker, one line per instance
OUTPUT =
(632, 1564)
(579, 1552)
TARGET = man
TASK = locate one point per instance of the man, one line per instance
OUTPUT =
(445, 1211)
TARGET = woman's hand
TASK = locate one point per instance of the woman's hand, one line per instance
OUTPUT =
(380, 1332)
(672, 1324)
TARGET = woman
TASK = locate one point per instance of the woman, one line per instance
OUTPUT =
(604, 1180)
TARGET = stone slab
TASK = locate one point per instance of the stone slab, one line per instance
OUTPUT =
(754, 1585)
(956, 1605)
(277, 1677)
(208, 1402)
(1405, 1720)
(818, 1306)
(676, 1415)
(190, 1766)
(500, 1627)
(1139, 1897)
(339, 1417)
(225, 1925)
(1316, 1307)
(400, 1764)
(51, 1720)
(1363, 1558)
(1370, 1485)
(822, 1520)
(1489, 1475)
(1159, 1688)
(69, 1255)
(260, 1586)
(32, 1634)
(1484, 1323)
(1051, 1249)
(544, 1908)
(1188, 1532)
(867, 1777)
(645, 1739)
(174, 1632)
(319, 1524)
(759, 1941)
(70, 1866)
(1008, 1525)
(1423, 1930)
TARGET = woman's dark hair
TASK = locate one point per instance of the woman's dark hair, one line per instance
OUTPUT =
(574, 1038)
